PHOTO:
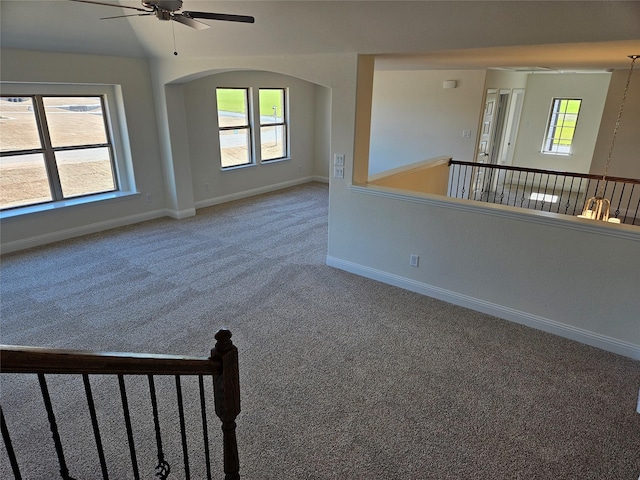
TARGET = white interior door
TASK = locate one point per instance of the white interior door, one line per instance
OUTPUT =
(511, 127)
(484, 142)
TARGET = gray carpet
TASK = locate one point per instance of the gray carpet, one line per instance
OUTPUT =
(341, 377)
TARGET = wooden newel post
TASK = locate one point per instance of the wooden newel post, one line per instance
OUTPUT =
(226, 393)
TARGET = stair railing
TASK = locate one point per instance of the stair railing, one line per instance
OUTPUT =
(221, 365)
(545, 190)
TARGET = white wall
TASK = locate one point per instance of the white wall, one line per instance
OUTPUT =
(133, 79)
(413, 118)
(541, 89)
(167, 123)
(625, 159)
(204, 149)
(552, 272)
(534, 271)
(503, 79)
(323, 133)
(548, 273)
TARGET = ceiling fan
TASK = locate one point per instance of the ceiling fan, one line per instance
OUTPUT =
(170, 10)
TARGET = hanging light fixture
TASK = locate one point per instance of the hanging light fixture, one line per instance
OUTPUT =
(597, 207)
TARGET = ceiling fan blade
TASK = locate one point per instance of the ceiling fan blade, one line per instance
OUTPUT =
(220, 16)
(124, 16)
(110, 5)
(189, 22)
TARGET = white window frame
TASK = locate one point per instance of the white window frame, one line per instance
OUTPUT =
(115, 124)
(549, 145)
(284, 124)
(248, 127)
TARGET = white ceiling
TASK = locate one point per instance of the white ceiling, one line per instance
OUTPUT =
(419, 34)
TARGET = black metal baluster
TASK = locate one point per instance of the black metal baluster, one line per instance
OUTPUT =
(524, 189)
(488, 180)
(533, 184)
(94, 424)
(504, 180)
(553, 192)
(595, 190)
(564, 181)
(205, 430)
(464, 181)
(635, 216)
(544, 194)
(163, 468)
(586, 195)
(127, 421)
(9, 446)
(629, 203)
(452, 170)
(515, 197)
(183, 429)
(617, 211)
(64, 471)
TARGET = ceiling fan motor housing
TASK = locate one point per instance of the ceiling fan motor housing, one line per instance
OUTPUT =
(163, 15)
(166, 6)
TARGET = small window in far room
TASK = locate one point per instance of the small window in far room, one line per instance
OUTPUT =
(234, 126)
(273, 124)
(561, 127)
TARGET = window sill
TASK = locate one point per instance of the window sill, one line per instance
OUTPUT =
(237, 167)
(275, 160)
(556, 154)
(44, 208)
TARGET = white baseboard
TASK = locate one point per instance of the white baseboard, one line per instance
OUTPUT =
(60, 235)
(209, 202)
(180, 214)
(587, 337)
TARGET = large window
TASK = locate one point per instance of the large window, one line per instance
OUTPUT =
(236, 117)
(235, 126)
(53, 148)
(273, 124)
(561, 127)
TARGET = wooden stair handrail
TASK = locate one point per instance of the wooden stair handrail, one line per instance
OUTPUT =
(222, 365)
(19, 359)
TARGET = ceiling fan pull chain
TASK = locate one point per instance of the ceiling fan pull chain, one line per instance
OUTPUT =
(173, 30)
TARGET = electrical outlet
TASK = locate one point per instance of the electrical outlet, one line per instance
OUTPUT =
(466, 133)
(338, 172)
(414, 260)
(206, 187)
(338, 159)
(149, 197)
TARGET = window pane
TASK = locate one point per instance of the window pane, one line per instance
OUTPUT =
(75, 121)
(234, 147)
(23, 180)
(85, 171)
(271, 105)
(273, 142)
(562, 126)
(232, 107)
(18, 128)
